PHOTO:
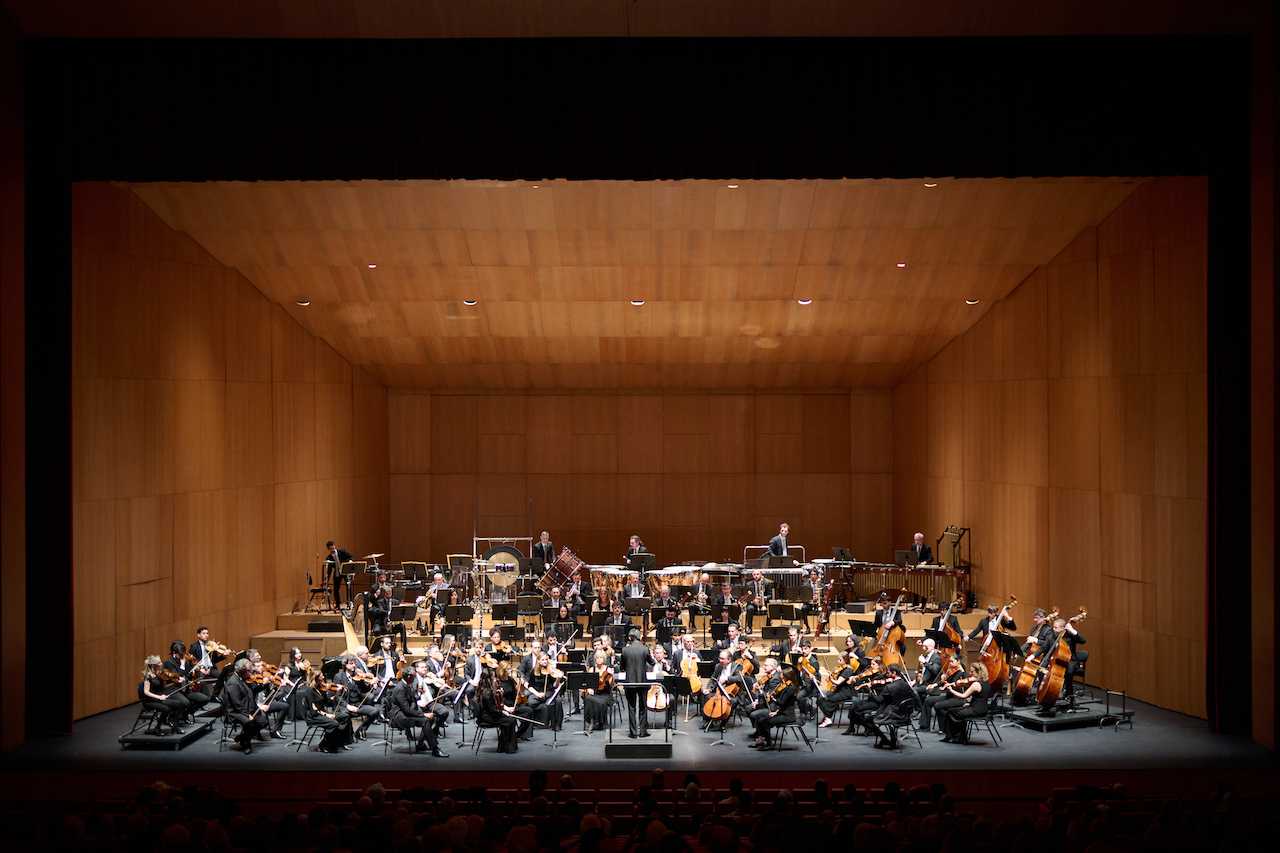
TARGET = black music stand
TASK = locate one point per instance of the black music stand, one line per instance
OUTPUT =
(505, 612)
(566, 629)
(676, 686)
(400, 614)
(642, 562)
(719, 631)
(549, 615)
(455, 614)
(597, 619)
(782, 561)
(529, 607)
(577, 681)
(781, 611)
(457, 629)
(775, 632)
(726, 613)
(512, 633)
(617, 634)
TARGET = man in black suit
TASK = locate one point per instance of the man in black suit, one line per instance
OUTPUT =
(380, 610)
(896, 704)
(928, 674)
(1064, 630)
(332, 565)
(579, 592)
(703, 592)
(544, 554)
(636, 661)
(1040, 633)
(921, 553)
(778, 544)
(634, 546)
(616, 616)
(240, 707)
(760, 590)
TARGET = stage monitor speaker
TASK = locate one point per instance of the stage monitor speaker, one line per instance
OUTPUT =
(647, 751)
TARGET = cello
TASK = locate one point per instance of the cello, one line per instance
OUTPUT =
(1032, 668)
(825, 616)
(888, 638)
(991, 655)
(1056, 668)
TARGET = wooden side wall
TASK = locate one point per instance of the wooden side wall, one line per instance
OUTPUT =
(1067, 429)
(696, 475)
(216, 446)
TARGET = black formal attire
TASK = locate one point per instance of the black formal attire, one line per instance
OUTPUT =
(544, 556)
(207, 660)
(778, 546)
(192, 699)
(490, 712)
(928, 675)
(337, 729)
(812, 605)
(678, 656)
(472, 672)
(167, 709)
(1078, 657)
(1041, 636)
(331, 573)
(762, 589)
(636, 661)
(595, 705)
(955, 724)
(621, 619)
(761, 710)
(523, 712)
(784, 712)
(864, 703)
(893, 711)
(698, 604)
(808, 690)
(406, 715)
(380, 614)
(545, 709)
(726, 676)
(955, 626)
(360, 695)
(241, 709)
(881, 616)
(843, 692)
(921, 554)
(984, 627)
(632, 551)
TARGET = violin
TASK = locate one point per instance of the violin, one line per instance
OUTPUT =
(605, 679)
(366, 677)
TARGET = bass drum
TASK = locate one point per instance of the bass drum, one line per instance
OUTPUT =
(507, 558)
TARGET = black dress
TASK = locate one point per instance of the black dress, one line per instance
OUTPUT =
(955, 723)
(490, 713)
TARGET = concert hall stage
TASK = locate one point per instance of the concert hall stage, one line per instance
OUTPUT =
(1164, 752)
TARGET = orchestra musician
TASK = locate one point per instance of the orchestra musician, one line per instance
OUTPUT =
(438, 679)
(778, 544)
(760, 591)
(492, 711)
(883, 609)
(806, 684)
(603, 602)
(812, 605)
(439, 596)
(775, 704)
(271, 701)
(556, 599)
(928, 676)
(634, 546)
(993, 622)
(968, 703)
(866, 696)
(1041, 632)
(728, 671)
(407, 714)
(685, 651)
(853, 645)
(724, 598)
(557, 651)
(359, 688)
(730, 640)
(659, 669)
(921, 553)
(890, 713)
(544, 687)
(333, 569)
(325, 711)
(703, 591)
(664, 599)
(1065, 630)
(472, 673)
(507, 681)
(578, 593)
(616, 616)
(528, 661)
(840, 690)
(204, 650)
(380, 610)
(600, 694)
(566, 625)
(544, 553)
(191, 697)
(151, 690)
(790, 649)
(240, 706)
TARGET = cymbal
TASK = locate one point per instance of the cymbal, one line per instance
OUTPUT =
(372, 556)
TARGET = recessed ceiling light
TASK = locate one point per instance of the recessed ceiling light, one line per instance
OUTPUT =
(930, 185)
(805, 301)
(900, 266)
(304, 302)
(468, 302)
(373, 266)
(733, 186)
(971, 301)
(637, 302)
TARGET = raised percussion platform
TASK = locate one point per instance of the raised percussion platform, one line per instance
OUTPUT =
(1087, 714)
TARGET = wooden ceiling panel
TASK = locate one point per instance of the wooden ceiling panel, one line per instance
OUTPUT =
(555, 265)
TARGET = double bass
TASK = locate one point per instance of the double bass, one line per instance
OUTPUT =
(889, 636)
(991, 655)
(1032, 668)
(825, 616)
(1056, 673)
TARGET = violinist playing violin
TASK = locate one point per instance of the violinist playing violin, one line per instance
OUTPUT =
(839, 689)
(240, 706)
(806, 683)
(778, 707)
(515, 698)
(971, 701)
(207, 655)
(406, 714)
(897, 702)
(326, 710)
(152, 692)
(599, 695)
(542, 687)
(866, 696)
(492, 711)
(183, 666)
(272, 691)
(359, 687)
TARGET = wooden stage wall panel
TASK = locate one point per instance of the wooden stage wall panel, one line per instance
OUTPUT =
(1067, 429)
(696, 475)
(216, 446)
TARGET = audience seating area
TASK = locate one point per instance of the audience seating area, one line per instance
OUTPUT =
(685, 819)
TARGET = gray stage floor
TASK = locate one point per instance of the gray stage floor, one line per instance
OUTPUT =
(1158, 740)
